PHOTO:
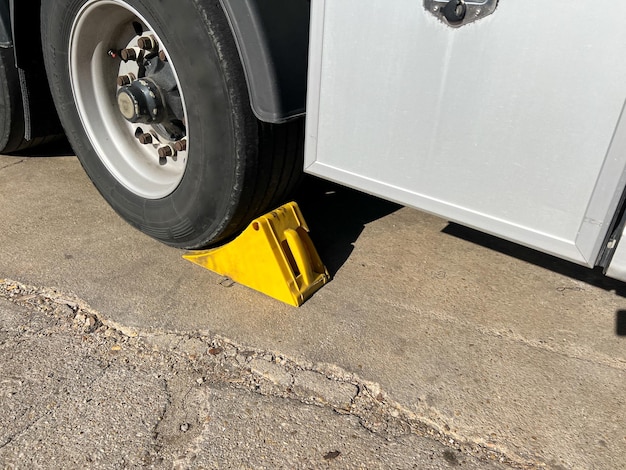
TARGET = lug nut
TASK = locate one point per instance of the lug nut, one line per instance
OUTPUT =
(146, 43)
(145, 139)
(162, 56)
(124, 80)
(166, 151)
(180, 146)
(128, 54)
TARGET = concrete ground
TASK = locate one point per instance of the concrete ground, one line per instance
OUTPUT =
(497, 352)
(76, 393)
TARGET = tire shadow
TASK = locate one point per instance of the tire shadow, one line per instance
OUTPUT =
(59, 147)
(336, 216)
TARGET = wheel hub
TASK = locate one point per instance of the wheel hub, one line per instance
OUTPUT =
(141, 102)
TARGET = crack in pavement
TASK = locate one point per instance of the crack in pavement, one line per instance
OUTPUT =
(160, 418)
(8, 165)
(25, 429)
(267, 373)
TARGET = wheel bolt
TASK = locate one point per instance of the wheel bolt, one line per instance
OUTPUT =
(165, 151)
(162, 56)
(124, 80)
(146, 43)
(145, 138)
(128, 54)
(180, 146)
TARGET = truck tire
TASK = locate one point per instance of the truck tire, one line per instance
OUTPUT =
(153, 99)
(12, 120)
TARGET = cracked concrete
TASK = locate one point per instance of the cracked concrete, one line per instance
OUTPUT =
(7, 164)
(75, 395)
(488, 343)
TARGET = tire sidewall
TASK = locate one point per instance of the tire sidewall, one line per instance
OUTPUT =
(202, 206)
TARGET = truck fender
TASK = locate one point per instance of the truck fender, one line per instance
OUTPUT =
(5, 24)
(273, 40)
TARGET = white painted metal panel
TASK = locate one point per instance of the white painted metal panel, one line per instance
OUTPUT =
(510, 124)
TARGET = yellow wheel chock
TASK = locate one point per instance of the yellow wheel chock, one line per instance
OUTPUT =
(273, 255)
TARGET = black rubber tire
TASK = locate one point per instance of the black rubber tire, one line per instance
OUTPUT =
(12, 125)
(237, 167)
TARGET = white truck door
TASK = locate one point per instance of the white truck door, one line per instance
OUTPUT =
(511, 124)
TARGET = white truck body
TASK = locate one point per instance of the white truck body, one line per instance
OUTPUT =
(512, 124)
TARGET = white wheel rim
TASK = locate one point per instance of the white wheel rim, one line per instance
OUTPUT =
(107, 25)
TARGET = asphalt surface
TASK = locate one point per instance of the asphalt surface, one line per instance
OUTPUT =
(493, 351)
